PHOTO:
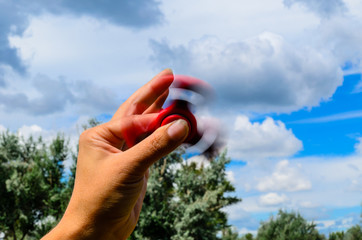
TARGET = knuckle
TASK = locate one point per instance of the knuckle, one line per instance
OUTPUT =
(85, 136)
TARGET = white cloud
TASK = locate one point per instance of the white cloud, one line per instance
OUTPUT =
(354, 8)
(87, 49)
(230, 176)
(284, 178)
(338, 176)
(307, 204)
(335, 181)
(333, 117)
(340, 224)
(263, 74)
(341, 36)
(232, 20)
(2, 128)
(33, 130)
(323, 8)
(272, 199)
(200, 160)
(15, 17)
(358, 146)
(45, 96)
(269, 139)
(357, 184)
(325, 223)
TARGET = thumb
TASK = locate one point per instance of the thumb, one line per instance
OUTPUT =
(160, 143)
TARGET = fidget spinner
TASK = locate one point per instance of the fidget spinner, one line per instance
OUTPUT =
(187, 95)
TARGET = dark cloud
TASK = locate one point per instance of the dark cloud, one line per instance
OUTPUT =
(10, 19)
(324, 8)
(55, 95)
(2, 80)
(263, 74)
(90, 97)
(131, 13)
(14, 17)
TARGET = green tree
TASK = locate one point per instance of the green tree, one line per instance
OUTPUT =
(354, 233)
(248, 236)
(288, 226)
(184, 201)
(336, 236)
(32, 185)
(230, 233)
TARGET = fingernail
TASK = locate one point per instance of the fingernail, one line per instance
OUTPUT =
(169, 69)
(178, 130)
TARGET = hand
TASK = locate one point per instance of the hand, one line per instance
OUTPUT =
(111, 180)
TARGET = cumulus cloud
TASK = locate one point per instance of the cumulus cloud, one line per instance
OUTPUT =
(14, 16)
(358, 146)
(273, 199)
(335, 182)
(284, 178)
(268, 139)
(323, 8)
(341, 36)
(338, 31)
(54, 95)
(262, 74)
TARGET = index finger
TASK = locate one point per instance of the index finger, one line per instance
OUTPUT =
(144, 97)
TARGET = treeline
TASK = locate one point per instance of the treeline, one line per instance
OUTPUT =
(184, 198)
(291, 225)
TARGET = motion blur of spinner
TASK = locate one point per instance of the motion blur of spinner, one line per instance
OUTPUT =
(188, 94)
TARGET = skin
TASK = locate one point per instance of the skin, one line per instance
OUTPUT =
(111, 178)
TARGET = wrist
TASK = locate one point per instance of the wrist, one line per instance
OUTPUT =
(74, 227)
(69, 229)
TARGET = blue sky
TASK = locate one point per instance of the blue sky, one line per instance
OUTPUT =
(334, 126)
(287, 74)
(329, 132)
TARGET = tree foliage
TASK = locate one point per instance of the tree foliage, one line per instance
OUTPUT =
(32, 187)
(288, 226)
(336, 236)
(184, 200)
(354, 233)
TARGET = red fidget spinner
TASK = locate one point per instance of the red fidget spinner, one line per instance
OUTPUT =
(189, 93)
(181, 108)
